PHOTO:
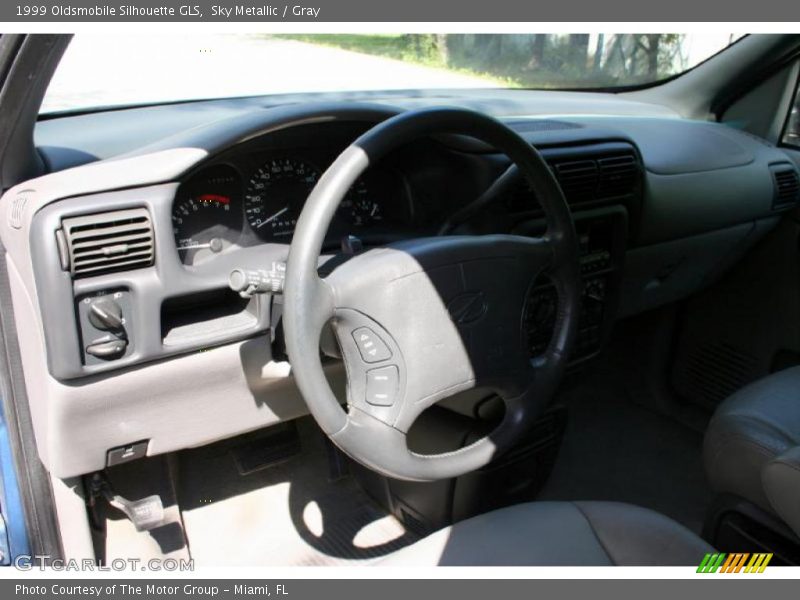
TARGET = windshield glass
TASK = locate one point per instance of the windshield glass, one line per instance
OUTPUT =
(102, 71)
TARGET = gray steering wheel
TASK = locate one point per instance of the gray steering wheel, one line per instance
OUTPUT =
(422, 320)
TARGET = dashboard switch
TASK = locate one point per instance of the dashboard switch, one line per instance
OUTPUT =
(123, 454)
(370, 346)
(107, 349)
(382, 385)
(106, 315)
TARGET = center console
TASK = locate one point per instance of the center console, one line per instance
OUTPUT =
(601, 236)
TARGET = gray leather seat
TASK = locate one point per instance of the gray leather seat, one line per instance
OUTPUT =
(559, 533)
(752, 445)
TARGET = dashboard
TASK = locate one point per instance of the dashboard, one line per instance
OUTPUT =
(119, 264)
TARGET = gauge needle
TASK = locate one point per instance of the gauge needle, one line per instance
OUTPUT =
(272, 218)
(215, 245)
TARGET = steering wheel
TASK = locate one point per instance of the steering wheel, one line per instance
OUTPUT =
(422, 320)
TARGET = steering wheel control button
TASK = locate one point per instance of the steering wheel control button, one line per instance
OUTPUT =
(382, 385)
(370, 346)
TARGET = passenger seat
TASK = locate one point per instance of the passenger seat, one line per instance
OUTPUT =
(752, 446)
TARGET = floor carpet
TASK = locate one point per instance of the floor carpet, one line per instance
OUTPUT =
(615, 449)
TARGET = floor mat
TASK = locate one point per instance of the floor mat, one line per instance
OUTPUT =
(614, 449)
(287, 514)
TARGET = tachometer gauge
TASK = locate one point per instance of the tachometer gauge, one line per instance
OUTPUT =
(206, 216)
(275, 196)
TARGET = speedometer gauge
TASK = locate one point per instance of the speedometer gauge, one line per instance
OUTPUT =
(275, 196)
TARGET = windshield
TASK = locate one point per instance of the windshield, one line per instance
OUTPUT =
(104, 70)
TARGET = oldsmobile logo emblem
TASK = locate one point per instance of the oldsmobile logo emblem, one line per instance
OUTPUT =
(467, 308)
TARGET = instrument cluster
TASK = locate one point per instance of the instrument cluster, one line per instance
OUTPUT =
(259, 198)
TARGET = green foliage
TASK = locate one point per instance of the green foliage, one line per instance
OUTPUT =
(528, 60)
(418, 48)
(430, 50)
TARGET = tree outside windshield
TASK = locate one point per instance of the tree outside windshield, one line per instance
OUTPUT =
(99, 71)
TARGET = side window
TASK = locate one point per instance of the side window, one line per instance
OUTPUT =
(791, 135)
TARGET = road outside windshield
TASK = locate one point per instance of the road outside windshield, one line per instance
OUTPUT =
(99, 71)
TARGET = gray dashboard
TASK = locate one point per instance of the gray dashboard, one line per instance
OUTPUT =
(702, 194)
(701, 175)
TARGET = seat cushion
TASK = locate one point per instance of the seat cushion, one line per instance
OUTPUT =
(748, 430)
(559, 533)
(781, 478)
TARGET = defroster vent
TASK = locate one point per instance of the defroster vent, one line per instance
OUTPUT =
(106, 242)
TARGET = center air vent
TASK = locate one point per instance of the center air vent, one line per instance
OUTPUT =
(787, 186)
(106, 242)
(593, 175)
(578, 179)
(601, 178)
(617, 175)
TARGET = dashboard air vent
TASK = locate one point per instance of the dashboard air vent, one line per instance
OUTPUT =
(599, 174)
(602, 178)
(106, 242)
(787, 186)
(618, 175)
(578, 179)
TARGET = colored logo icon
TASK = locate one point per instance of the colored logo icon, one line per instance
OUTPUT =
(742, 562)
